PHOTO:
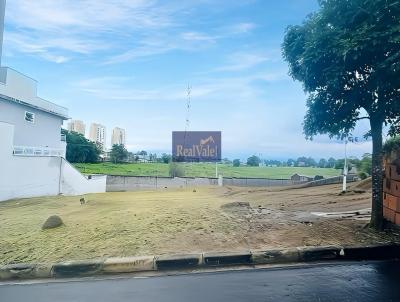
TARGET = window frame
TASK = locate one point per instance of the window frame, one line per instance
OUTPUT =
(28, 120)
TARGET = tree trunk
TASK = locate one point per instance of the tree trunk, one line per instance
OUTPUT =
(377, 175)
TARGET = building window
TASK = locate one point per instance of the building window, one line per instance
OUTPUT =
(29, 117)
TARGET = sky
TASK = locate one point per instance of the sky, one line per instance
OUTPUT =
(128, 63)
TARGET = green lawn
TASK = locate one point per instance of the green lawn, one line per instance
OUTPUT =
(202, 170)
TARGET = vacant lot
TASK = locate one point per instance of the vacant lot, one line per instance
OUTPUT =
(203, 170)
(173, 221)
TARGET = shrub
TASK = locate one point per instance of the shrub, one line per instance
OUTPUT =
(176, 170)
(363, 175)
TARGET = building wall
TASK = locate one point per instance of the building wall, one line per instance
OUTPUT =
(77, 126)
(44, 132)
(27, 176)
(18, 86)
(97, 133)
(118, 136)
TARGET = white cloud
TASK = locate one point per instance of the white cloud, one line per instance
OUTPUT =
(53, 16)
(241, 28)
(197, 36)
(243, 60)
(56, 30)
(126, 29)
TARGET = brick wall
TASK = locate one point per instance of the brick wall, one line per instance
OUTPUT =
(391, 188)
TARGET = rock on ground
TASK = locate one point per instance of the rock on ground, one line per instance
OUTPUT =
(52, 222)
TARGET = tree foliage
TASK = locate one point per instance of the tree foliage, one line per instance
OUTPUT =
(347, 55)
(392, 144)
(176, 169)
(80, 149)
(253, 161)
(118, 153)
(364, 166)
(236, 163)
(166, 158)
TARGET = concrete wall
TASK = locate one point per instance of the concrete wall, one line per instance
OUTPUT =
(133, 183)
(44, 132)
(27, 176)
(259, 182)
(74, 183)
(330, 181)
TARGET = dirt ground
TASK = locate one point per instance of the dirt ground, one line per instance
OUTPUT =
(185, 220)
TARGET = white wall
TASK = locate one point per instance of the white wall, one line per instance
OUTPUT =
(44, 132)
(27, 176)
(74, 183)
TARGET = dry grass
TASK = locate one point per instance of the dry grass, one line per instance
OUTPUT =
(174, 221)
(108, 224)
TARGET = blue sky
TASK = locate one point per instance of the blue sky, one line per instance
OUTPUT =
(128, 63)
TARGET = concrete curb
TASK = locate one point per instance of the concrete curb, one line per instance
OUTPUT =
(128, 264)
(197, 261)
(174, 262)
(77, 268)
(227, 258)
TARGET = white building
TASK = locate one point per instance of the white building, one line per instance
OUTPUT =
(32, 150)
(77, 126)
(97, 134)
(118, 136)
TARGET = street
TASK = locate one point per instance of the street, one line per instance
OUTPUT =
(362, 281)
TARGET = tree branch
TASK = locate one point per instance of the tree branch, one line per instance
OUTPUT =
(362, 118)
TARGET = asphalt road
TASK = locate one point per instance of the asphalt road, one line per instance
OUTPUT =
(373, 281)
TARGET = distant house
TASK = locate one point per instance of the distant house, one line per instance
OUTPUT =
(37, 122)
(32, 149)
(301, 178)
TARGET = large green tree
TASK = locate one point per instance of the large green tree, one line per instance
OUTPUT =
(347, 55)
(253, 161)
(118, 153)
(79, 149)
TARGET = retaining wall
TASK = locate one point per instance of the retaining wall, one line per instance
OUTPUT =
(133, 183)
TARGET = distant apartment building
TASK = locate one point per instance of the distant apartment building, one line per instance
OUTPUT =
(77, 126)
(118, 136)
(97, 134)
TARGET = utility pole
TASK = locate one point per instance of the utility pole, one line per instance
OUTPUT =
(2, 16)
(345, 168)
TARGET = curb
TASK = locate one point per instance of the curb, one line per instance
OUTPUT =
(128, 264)
(77, 268)
(276, 256)
(372, 252)
(197, 261)
(227, 258)
(173, 262)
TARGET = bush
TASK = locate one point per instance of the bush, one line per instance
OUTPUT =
(391, 145)
(363, 175)
(236, 162)
(176, 170)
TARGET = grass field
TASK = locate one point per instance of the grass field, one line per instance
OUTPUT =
(178, 221)
(203, 170)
